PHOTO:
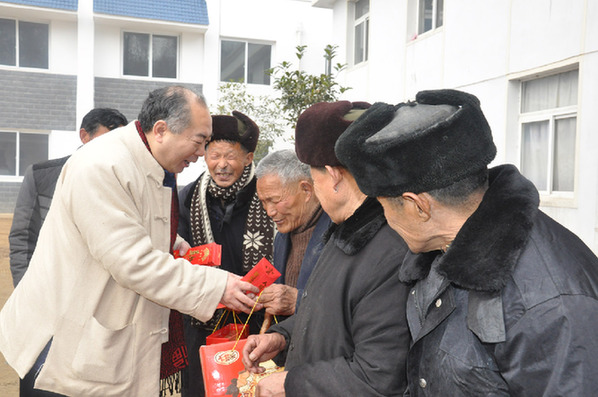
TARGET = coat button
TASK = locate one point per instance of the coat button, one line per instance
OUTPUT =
(438, 302)
(422, 383)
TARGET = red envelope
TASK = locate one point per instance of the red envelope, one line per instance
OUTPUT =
(207, 254)
(261, 275)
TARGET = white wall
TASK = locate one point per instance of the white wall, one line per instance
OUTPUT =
(485, 47)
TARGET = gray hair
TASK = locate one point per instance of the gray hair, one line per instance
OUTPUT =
(285, 164)
(170, 104)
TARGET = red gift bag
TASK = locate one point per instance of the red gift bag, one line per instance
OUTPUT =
(221, 366)
(230, 332)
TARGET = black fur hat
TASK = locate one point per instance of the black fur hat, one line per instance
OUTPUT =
(236, 128)
(418, 146)
(318, 128)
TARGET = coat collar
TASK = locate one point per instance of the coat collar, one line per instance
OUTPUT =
(357, 231)
(486, 249)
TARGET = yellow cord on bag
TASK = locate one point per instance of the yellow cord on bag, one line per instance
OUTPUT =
(248, 317)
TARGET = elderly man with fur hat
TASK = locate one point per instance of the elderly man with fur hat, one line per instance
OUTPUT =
(222, 206)
(505, 301)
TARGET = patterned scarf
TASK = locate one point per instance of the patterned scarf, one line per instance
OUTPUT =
(174, 352)
(258, 236)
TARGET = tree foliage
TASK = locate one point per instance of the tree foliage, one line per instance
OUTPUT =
(263, 110)
(299, 89)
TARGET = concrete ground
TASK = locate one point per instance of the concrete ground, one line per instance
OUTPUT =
(9, 381)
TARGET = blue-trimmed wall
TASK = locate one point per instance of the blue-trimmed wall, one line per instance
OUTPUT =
(184, 11)
(58, 4)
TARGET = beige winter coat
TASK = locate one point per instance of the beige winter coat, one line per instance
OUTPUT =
(101, 280)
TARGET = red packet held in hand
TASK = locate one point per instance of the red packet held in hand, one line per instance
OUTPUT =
(261, 275)
(207, 254)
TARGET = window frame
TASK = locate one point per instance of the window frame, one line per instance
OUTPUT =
(246, 62)
(150, 59)
(17, 44)
(18, 171)
(363, 20)
(434, 25)
(549, 196)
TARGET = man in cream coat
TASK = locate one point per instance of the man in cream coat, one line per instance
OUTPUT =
(101, 280)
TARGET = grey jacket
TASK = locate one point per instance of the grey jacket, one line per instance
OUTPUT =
(33, 202)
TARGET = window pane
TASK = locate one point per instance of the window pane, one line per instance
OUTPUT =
(232, 61)
(136, 54)
(164, 50)
(425, 15)
(359, 43)
(534, 153)
(8, 42)
(258, 63)
(362, 7)
(8, 150)
(33, 45)
(439, 12)
(564, 155)
(550, 92)
(33, 149)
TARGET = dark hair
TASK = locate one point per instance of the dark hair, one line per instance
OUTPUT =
(458, 193)
(109, 118)
(170, 104)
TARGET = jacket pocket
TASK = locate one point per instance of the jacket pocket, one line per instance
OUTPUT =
(105, 355)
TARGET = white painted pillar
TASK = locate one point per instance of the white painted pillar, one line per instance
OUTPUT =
(85, 60)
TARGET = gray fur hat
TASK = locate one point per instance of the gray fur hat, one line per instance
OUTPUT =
(418, 146)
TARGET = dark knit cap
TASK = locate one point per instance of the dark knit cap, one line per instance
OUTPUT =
(236, 128)
(418, 146)
(318, 128)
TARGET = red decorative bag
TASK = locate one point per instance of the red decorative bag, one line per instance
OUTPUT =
(230, 332)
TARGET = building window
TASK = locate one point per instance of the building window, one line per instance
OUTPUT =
(19, 150)
(361, 31)
(150, 55)
(23, 44)
(429, 15)
(548, 119)
(241, 61)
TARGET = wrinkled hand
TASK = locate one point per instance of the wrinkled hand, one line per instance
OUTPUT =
(260, 348)
(271, 385)
(235, 295)
(279, 299)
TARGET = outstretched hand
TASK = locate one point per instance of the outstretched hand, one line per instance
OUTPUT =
(260, 348)
(240, 295)
(279, 299)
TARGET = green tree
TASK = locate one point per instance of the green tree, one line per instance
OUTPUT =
(299, 89)
(263, 110)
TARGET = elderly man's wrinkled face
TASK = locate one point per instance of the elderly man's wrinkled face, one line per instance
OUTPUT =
(226, 161)
(288, 206)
